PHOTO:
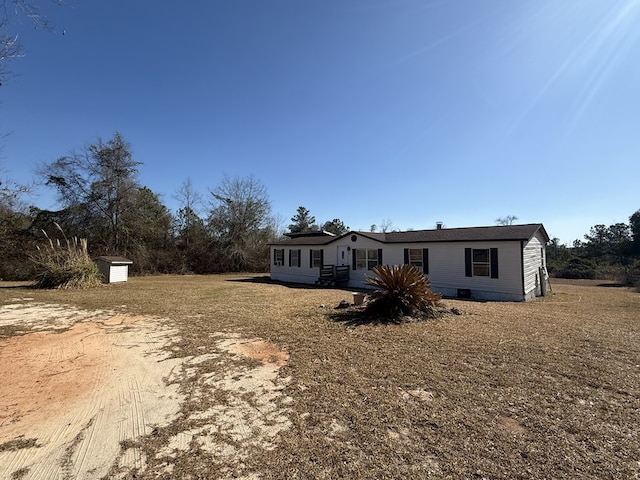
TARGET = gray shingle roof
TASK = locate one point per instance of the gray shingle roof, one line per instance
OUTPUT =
(469, 234)
(301, 240)
(494, 233)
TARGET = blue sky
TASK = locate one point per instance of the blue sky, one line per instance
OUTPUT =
(409, 112)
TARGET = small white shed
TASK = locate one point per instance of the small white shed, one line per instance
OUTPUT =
(113, 269)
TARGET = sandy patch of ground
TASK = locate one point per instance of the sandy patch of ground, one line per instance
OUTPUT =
(79, 386)
(251, 409)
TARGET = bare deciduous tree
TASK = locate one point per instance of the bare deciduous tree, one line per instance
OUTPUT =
(188, 197)
(508, 220)
(240, 221)
(192, 237)
(385, 225)
(10, 11)
(96, 187)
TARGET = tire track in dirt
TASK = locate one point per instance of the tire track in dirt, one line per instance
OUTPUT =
(80, 392)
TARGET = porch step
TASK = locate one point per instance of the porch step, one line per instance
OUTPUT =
(331, 275)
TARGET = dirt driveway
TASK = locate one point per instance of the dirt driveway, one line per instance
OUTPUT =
(80, 389)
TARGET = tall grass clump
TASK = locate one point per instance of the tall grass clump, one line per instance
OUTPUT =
(65, 264)
(632, 274)
(401, 291)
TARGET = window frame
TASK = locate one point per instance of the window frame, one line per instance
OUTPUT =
(294, 257)
(316, 258)
(474, 266)
(481, 268)
(278, 252)
(366, 258)
(421, 253)
(415, 257)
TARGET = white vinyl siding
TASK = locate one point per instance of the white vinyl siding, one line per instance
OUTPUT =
(532, 260)
(305, 273)
(447, 270)
(357, 277)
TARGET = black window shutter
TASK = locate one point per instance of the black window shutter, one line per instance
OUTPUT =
(467, 263)
(321, 257)
(379, 256)
(494, 263)
(289, 257)
(425, 261)
(310, 258)
(353, 252)
(406, 256)
(299, 257)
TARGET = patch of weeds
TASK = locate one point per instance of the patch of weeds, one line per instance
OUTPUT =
(19, 444)
(7, 331)
(66, 461)
(249, 397)
(18, 474)
(129, 443)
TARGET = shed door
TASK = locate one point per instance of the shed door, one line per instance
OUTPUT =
(118, 273)
(343, 255)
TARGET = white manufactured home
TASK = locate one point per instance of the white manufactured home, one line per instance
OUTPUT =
(506, 263)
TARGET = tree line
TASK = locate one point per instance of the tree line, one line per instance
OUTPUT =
(102, 200)
(606, 252)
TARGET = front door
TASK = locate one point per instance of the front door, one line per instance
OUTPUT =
(343, 255)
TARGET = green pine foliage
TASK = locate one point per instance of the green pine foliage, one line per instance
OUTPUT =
(578, 267)
(401, 290)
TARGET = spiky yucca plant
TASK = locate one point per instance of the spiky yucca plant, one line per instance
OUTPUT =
(401, 291)
(65, 264)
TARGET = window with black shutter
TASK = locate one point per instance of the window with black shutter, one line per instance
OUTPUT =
(481, 262)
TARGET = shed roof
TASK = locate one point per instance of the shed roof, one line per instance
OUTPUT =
(468, 234)
(114, 260)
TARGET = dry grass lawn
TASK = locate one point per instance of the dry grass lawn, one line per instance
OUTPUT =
(543, 389)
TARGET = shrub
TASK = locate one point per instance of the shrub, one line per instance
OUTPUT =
(633, 274)
(611, 272)
(579, 267)
(401, 291)
(65, 264)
